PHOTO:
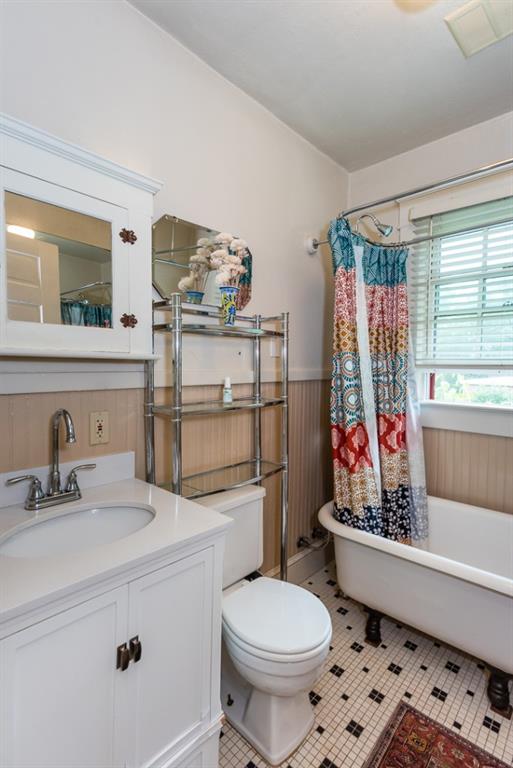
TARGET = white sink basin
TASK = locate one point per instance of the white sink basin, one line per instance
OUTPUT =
(75, 530)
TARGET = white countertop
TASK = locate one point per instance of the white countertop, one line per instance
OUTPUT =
(27, 583)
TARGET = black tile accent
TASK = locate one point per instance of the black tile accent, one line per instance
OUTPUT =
(470, 693)
(314, 698)
(349, 627)
(327, 764)
(354, 728)
(336, 670)
(221, 734)
(456, 725)
(480, 666)
(320, 729)
(383, 646)
(310, 583)
(365, 669)
(251, 764)
(437, 645)
(493, 725)
(376, 696)
(423, 667)
(411, 646)
(395, 668)
(439, 694)
(344, 696)
(331, 647)
(407, 695)
(399, 626)
(357, 647)
(452, 667)
(342, 611)
(331, 583)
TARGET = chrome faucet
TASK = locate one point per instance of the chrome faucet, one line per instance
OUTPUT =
(37, 499)
(54, 484)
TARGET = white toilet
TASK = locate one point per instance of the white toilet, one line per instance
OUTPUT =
(276, 637)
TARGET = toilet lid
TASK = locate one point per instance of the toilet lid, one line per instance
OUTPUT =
(277, 616)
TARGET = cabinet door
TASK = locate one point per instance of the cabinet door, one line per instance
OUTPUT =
(61, 697)
(71, 300)
(170, 610)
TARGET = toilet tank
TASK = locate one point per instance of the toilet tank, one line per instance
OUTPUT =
(244, 550)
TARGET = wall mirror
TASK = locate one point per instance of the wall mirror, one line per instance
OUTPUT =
(59, 264)
(174, 242)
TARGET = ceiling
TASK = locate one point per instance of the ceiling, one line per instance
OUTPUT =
(362, 80)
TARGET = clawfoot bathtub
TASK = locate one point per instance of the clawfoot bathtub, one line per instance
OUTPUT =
(459, 589)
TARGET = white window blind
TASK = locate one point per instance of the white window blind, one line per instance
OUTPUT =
(461, 287)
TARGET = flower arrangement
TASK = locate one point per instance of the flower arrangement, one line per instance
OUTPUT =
(227, 259)
(200, 265)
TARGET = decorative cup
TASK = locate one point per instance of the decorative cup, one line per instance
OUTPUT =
(195, 297)
(229, 303)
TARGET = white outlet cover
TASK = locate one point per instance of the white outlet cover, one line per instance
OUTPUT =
(99, 436)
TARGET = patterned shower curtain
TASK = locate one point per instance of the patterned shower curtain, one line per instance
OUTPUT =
(379, 483)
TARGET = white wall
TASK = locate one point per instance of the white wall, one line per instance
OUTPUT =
(477, 146)
(101, 75)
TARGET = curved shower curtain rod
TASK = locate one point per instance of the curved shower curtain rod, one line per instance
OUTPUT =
(312, 244)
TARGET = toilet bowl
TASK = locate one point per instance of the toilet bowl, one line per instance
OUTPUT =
(276, 637)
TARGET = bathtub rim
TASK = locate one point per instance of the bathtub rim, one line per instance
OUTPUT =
(493, 581)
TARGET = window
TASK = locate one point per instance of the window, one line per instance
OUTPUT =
(461, 294)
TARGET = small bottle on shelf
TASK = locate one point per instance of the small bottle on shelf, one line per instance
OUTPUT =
(227, 391)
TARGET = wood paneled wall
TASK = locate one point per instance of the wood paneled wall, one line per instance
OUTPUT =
(207, 442)
(477, 469)
(474, 469)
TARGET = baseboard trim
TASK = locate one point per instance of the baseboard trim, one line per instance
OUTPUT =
(303, 564)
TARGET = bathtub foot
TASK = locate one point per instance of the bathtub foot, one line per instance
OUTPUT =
(373, 628)
(498, 692)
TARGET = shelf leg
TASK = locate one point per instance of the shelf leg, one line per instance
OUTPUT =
(149, 419)
(176, 341)
(257, 394)
(284, 522)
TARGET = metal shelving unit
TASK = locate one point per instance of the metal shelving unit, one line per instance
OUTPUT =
(252, 471)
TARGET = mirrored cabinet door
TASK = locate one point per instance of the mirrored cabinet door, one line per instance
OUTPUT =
(65, 282)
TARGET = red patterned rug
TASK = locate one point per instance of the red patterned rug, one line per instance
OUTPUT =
(412, 740)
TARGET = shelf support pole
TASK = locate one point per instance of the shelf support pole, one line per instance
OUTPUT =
(257, 394)
(149, 419)
(284, 447)
(176, 343)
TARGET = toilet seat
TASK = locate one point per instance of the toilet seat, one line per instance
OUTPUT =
(276, 621)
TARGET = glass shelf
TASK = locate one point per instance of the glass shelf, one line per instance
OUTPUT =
(217, 406)
(226, 478)
(218, 330)
(209, 310)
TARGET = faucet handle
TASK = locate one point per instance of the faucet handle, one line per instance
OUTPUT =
(71, 483)
(35, 493)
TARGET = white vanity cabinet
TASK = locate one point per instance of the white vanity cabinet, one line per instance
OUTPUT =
(66, 700)
(75, 250)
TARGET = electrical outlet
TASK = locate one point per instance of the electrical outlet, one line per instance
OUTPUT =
(99, 428)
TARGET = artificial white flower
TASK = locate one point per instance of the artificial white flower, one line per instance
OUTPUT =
(222, 278)
(238, 244)
(203, 241)
(224, 237)
(186, 283)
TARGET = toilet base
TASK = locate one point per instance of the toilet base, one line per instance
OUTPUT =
(274, 725)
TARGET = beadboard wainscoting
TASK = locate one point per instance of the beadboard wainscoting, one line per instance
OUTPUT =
(207, 442)
(463, 466)
(471, 468)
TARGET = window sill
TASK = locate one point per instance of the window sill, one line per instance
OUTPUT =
(480, 419)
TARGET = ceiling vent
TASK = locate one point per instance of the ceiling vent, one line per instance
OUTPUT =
(480, 23)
